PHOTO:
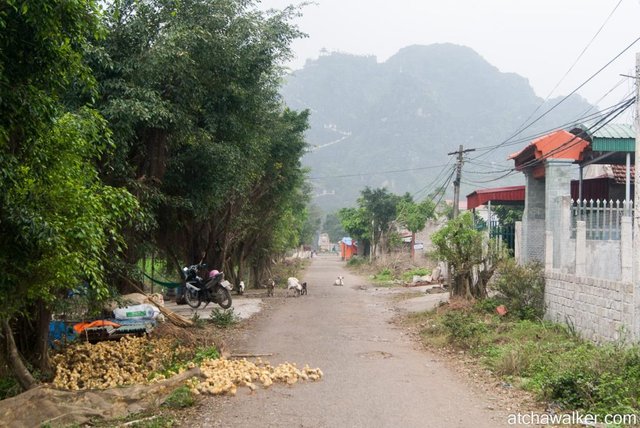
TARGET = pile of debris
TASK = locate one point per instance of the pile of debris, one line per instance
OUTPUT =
(436, 277)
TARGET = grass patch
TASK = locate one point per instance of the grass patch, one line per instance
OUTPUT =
(545, 358)
(180, 398)
(408, 275)
(385, 275)
(9, 387)
(223, 317)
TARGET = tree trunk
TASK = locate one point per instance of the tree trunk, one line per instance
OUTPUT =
(42, 334)
(413, 244)
(19, 370)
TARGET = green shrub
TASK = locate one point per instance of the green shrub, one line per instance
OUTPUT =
(223, 317)
(408, 276)
(210, 353)
(356, 261)
(9, 387)
(384, 275)
(522, 288)
(489, 304)
(464, 329)
(544, 358)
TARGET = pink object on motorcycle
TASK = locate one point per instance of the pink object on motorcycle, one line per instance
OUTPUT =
(213, 273)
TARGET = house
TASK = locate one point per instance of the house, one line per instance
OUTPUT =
(324, 243)
(585, 243)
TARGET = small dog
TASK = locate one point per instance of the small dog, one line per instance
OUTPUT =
(271, 285)
(339, 281)
(303, 292)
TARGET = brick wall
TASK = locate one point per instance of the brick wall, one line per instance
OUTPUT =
(600, 310)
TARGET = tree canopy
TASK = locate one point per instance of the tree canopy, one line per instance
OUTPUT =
(151, 126)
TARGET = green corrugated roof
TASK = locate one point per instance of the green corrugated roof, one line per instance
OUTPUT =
(613, 144)
(613, 137)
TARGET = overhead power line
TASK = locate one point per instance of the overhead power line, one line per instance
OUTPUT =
(521, 128)
(362, 174)
(566, 145)
(573, 65)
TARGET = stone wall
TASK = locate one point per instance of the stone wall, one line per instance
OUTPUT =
(600, 310)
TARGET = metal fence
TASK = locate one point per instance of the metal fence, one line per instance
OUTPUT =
(603, 218)
(505, 235)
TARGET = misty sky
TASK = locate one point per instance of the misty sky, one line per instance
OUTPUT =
(538, 39)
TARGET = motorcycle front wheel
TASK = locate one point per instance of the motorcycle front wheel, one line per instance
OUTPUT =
(223, 298)
(192, 297)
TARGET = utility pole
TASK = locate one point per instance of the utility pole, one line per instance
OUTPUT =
(636, 201)
(456, 183)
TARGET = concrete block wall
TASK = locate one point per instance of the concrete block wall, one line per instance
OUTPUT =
(600, 310)
(558, 174)
(533, 221)
(603, 260)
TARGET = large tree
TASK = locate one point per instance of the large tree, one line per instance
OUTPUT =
(190, 89)
(414, 216)
(381, 208)
(463, 247)
(58, 221)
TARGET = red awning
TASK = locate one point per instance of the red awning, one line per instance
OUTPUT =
(498, 195)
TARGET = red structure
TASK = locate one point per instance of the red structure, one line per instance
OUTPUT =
(559, 144)
(501, 195)
(348, 248)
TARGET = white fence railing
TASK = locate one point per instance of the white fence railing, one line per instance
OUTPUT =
(603, 218)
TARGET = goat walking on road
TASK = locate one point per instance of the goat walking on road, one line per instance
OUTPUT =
(271, 286)
(294, 284)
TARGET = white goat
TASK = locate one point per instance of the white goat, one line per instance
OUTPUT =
(294, 284)
(339, 281)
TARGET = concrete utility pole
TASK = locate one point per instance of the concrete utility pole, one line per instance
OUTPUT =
(636, 192)
(635, 334)
(456, 183)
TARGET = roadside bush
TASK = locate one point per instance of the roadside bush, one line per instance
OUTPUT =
(223, 317)
(603, 379)
(384, 275)
(357, 261)
(489, 304)
(464, 329)
(522, 288)
(9, 387)
(408, 275)
(542, 357)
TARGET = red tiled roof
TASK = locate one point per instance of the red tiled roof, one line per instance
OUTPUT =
(559, 145)
(620, 173)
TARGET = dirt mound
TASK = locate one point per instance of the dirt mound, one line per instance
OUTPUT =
(57, 408)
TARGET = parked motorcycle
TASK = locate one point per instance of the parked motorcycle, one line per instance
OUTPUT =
(212, 289)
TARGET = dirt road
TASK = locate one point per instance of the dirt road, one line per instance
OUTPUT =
(375, 375)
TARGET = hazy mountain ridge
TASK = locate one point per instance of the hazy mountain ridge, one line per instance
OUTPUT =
(408, 112)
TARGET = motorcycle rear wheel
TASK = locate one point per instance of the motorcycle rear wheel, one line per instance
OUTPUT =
(224, 298)
(192, 297)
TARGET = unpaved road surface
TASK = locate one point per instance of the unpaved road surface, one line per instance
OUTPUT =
(375, 375)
